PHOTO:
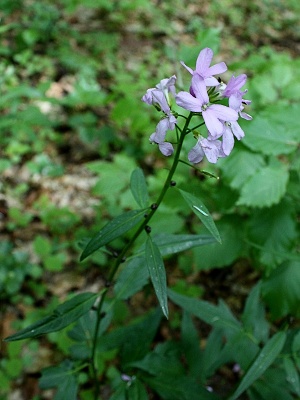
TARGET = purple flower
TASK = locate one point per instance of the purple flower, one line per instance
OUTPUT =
(206, 147)
(213, 114)
(231, 129)
(160, 94)
(203, 67)
(158, 137)
(236, 102)
(234, 84)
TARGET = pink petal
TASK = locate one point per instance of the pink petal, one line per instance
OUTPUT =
(196, 154)
(166, 149)
(224, 113)
(199, 88)
(211, 150)
(237, 130)
(214, 126)
(187, 101)
(186, 67)
(161, 130)
(211, 81)
(228, 141)
(217, 69)
(235, 101)
(245, 116)
(203, 61)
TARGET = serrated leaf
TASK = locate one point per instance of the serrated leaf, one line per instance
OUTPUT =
(265, 358)
(253, 316)
(265, 188)
(270, 138)
(137, 391)
(240, 166)
(281, 290)
(202, 212)
(132, 278)
(220, 255)
(216, 316)
(179, 387)
(275, 231)
(133, 341)
(60, 377)
(115, 228)
(157, 273)
(139, 188)
(61, 317)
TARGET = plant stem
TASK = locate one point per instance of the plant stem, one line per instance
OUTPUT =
(122, 254)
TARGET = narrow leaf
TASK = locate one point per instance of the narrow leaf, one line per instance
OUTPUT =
(171, 243)
(292, 375)
(209, 313)
(157, 273)
(265, 358)
(61, 317)
(113, 230)
(138, 188)
(202, 212)
(132, 278)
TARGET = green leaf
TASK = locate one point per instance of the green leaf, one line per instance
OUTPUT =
(216, 316)
(138, 187)
(136, 390)
(179, 387)
(220, 255)
(265, 188)
(281, 290)
(169, 243)
(157, 273)
(112, 230)
(270, 138)
(292, 375)
(265, 358)
(133, 341)
(61, 317)
(132, 278)
(190, 346)
(275, 230)
(240, 166)
(202, 212)
(273, 385)
(253, 317)
(60, 377)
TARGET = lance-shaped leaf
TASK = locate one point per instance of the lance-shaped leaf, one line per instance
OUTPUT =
(138, 187)
(132, 278)
(61, 317)
(264, 359)
(202, 212)
(113, 230)
(169, 243)
(157, 273)
(217, 316)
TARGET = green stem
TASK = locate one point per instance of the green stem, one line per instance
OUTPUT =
(122, 254)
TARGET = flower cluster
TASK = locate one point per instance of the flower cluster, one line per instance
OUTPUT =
(205, 94)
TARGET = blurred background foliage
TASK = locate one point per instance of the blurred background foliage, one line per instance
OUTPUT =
(73, 127)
